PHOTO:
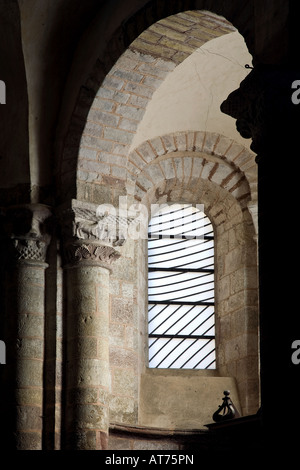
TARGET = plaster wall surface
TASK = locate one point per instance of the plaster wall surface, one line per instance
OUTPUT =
(185, 401)
(197, 87)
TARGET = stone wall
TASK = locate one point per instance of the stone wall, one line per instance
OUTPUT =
(111, 105)
(236, 293)
(124, 333)
(76, 306)
(185, 399)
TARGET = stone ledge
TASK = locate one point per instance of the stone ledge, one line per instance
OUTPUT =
(145, 431)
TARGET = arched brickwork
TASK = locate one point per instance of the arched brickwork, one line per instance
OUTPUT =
(187, 177)
(185, 155)
(195, 155)
(115, 96)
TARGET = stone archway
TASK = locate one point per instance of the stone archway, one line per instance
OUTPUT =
(198, 177)
(114, 100)
(222, 151)
(105, 121)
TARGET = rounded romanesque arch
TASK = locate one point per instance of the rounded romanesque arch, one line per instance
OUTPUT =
(112, 104)
(106, 155)
(193, 170)
(211, 156)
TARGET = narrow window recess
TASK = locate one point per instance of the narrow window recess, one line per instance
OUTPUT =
(181, 319)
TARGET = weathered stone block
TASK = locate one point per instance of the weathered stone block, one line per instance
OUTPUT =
(223, 286)
(130, 112)
(91, 416)
(237, 281)
(113, 82)
(28, 440)
(177, 46)
(168, 168)
(112, 95)
(89, 373)
(221, 174)
(30, 348)
(127, 290)
(117, 335)
(116, 443)
(87, 153)
(29, 373)
(117, 135)
(81, 301)
(88, 325)
(153, 49)
(122, 310)
(222, 146)
(187, 168)
(123, 409)
(29, 417)
(128, 125)
(124, 382)
(169, 143)
(31, 275)
(139, 89)
(236, 301)
(30, 300)
(82, 347)
(84, 395)
(29, 396)
(152, 82)
(30, 325)
(122, 357)
(234, 259)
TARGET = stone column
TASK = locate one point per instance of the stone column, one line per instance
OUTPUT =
(25, 249)
(88, 256)
(266, 113)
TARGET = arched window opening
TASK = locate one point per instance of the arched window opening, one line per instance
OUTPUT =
(181, 320)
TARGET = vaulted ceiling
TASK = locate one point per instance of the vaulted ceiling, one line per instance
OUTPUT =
(50, 51)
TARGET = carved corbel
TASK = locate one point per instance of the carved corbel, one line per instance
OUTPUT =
(27, 229)
(263, 107)
(91, 233)
(94, 223)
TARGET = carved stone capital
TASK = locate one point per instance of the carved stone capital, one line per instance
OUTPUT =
(26, 228)
(30, 249)
(263, 107)
(90, 232)
(89, 222)
(76, 254)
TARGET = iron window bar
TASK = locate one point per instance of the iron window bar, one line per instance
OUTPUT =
(182, 256)
(187, 324)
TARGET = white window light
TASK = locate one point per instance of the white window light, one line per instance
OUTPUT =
(181, 320)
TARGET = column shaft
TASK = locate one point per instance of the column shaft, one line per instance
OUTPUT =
(89, 238)
(25, 353)
(87, 357)
(25, 240)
